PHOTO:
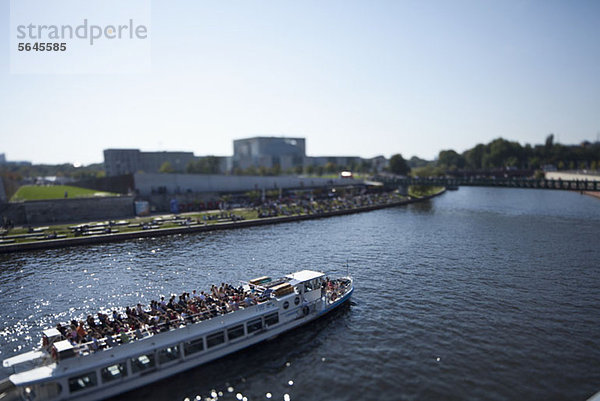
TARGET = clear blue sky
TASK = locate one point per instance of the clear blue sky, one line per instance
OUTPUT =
(353, 77)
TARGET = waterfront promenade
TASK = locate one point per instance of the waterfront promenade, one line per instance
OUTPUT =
(269, 213)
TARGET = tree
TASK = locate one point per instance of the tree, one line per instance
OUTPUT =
(450, 159)
(331, 167)
(204, 165)
(398, 165)
(166, 167)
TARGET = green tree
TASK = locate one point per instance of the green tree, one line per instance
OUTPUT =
(275, 170)
(427, 171)
(450, 159)
(398, 165)
(474, 157)
(166, 167)
(204, 165)
(330, 167)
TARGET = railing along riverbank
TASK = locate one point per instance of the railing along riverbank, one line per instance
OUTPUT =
(158, 232)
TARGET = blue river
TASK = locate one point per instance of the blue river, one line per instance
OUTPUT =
(481, 293)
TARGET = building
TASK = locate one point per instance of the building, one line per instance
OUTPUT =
(130, 161)
(269, 152)
(288, 154)
(121, 161)
(347, 162)
(17, 163)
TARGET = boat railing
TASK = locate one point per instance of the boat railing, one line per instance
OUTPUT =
(337, 292)
(148, 330)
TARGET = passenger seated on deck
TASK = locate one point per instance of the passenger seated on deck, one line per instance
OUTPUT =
(124, 337)
(95, 346)
(249, 301)
(192, 308)
(90, 321)
(109, 340)
(72, 335)
(81, 333)
(62, 330)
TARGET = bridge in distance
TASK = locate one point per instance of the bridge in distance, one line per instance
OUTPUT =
(508, 182)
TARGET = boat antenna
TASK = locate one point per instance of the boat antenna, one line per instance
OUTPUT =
(347, 269)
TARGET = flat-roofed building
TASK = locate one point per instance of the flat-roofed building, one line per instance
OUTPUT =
(269, 152)
(130, 161)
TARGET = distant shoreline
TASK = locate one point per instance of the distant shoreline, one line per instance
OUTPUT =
(594, 194)
(159, 232)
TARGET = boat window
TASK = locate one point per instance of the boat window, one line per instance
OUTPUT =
(215, 339)
(193, 346)
(82, 382)
(254, 325)
(272, 319)
(50, 390)
(168, 354)
(114, 372)
(286, 305)
(296, 301)
(142, 363)
(235, 332)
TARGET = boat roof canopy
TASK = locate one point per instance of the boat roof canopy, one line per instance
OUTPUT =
(43, 373)
(22, 358)
(51, 333)
(304, 275)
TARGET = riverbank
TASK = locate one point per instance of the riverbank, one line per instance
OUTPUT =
(200, 226)
(594, 194)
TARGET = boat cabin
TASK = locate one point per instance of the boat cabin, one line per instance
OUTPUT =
(308, 282)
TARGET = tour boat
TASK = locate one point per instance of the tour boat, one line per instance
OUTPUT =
(63, 369)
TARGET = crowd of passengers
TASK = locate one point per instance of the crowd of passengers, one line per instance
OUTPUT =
(160, 316)
(297, 207)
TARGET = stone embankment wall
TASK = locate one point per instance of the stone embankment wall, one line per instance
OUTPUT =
(147, 184)
(68, 210)
(97, 239)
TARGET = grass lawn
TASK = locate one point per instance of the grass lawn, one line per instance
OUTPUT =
(35, 192)
(419, 191)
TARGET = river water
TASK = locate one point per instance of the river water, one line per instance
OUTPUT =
(481, 293)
